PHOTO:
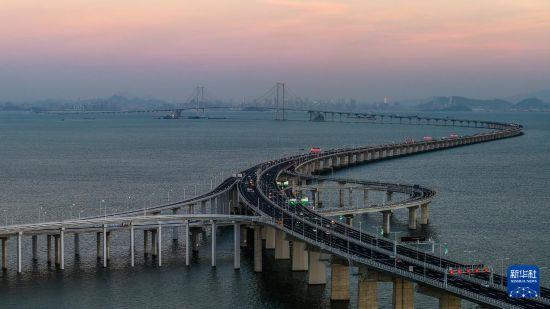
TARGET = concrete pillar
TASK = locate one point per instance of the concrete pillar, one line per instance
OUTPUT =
(4, 253)
(145, 241)
(403, 293)
(159, 245)
(341, 198)
(105, 245)
(108, 245)
(19, 236)
(203, 207)
(449, 301)
(282, 246)
(99, 251)
(269, 237)
(319, 198)
(365, 196)
(349, 219)
(350, 198)
(153, 242)
(77, 244)
(386, 215)
(187, 244)
(367, 295)
(57, 251)
(299, 256)
(257, 248)
(132, 244)
(339, 282)
(213, 258)
(34, 247)
(62, 248)
(175, 228)
(317, 273)
(49, 249)
(425, 214)
(412, 217)
(236, 246)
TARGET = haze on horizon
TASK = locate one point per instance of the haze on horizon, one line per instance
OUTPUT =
(350, 49)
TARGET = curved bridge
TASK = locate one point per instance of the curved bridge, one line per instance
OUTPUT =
(252, 199)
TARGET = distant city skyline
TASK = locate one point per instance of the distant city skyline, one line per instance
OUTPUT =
(322, 49)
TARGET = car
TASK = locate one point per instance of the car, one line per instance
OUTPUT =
(485, 284)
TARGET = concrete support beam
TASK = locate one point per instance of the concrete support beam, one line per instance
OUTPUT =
(213, 237)
(34, 247)
(412, 217)
(299, 256)
(49, 249)
(389, 195)
(4, 253)
(19, 236)
(132, 245)
(367, 295)
(257, 248)
(317, 273)
(159, 245)
(76, 244)
(339, 282)
(424, 214)
(104, 246)
(282, 246)
(62, 248)
(145, 241)
(175, 228)
(187, 244)
(236, 246)
(403, 293)
(386, 215)
(269, 237)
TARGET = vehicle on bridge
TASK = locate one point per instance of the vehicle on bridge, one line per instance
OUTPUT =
(409, 140)
(315, 150)
(454, 136)
(428, 138)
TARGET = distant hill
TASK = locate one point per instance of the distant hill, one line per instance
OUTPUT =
(531, 104)
(543, 95)
(455, 103)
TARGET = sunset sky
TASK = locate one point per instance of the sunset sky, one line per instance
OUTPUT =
(353, 49)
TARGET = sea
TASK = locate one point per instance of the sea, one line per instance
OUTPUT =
(492, 203)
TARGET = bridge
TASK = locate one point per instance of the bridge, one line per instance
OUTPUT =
(258, 208)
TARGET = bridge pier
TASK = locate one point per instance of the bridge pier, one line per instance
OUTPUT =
(19, 236)
(105, 252)
(317, 273)
(368, 288)
(282, 246)
(350, 197)
(412, 217)
(99, 250)
(57, 250)
(154, 247)
(269, 237)
(49, 249)
(424, 214)
(159, 245)
(341, 196)
(339, 281)
(446, 300)
(244, 236)
(5, 253)
(145, 242)
(213, 240)
(365, 196)
(187, 244)
(257, 248)
(386, 215)
(34, 248)
(76, 244)
(403, 293)
(175, 228)
(236, 246)
(132, 245)
(299, 256)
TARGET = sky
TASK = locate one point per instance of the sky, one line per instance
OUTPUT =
(364, 49)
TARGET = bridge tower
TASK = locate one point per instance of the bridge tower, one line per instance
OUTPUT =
(280, 101)
(199, 99)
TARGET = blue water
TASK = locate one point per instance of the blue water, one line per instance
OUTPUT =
(492, 198)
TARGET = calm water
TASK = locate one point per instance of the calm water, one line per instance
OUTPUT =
(492, 198)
